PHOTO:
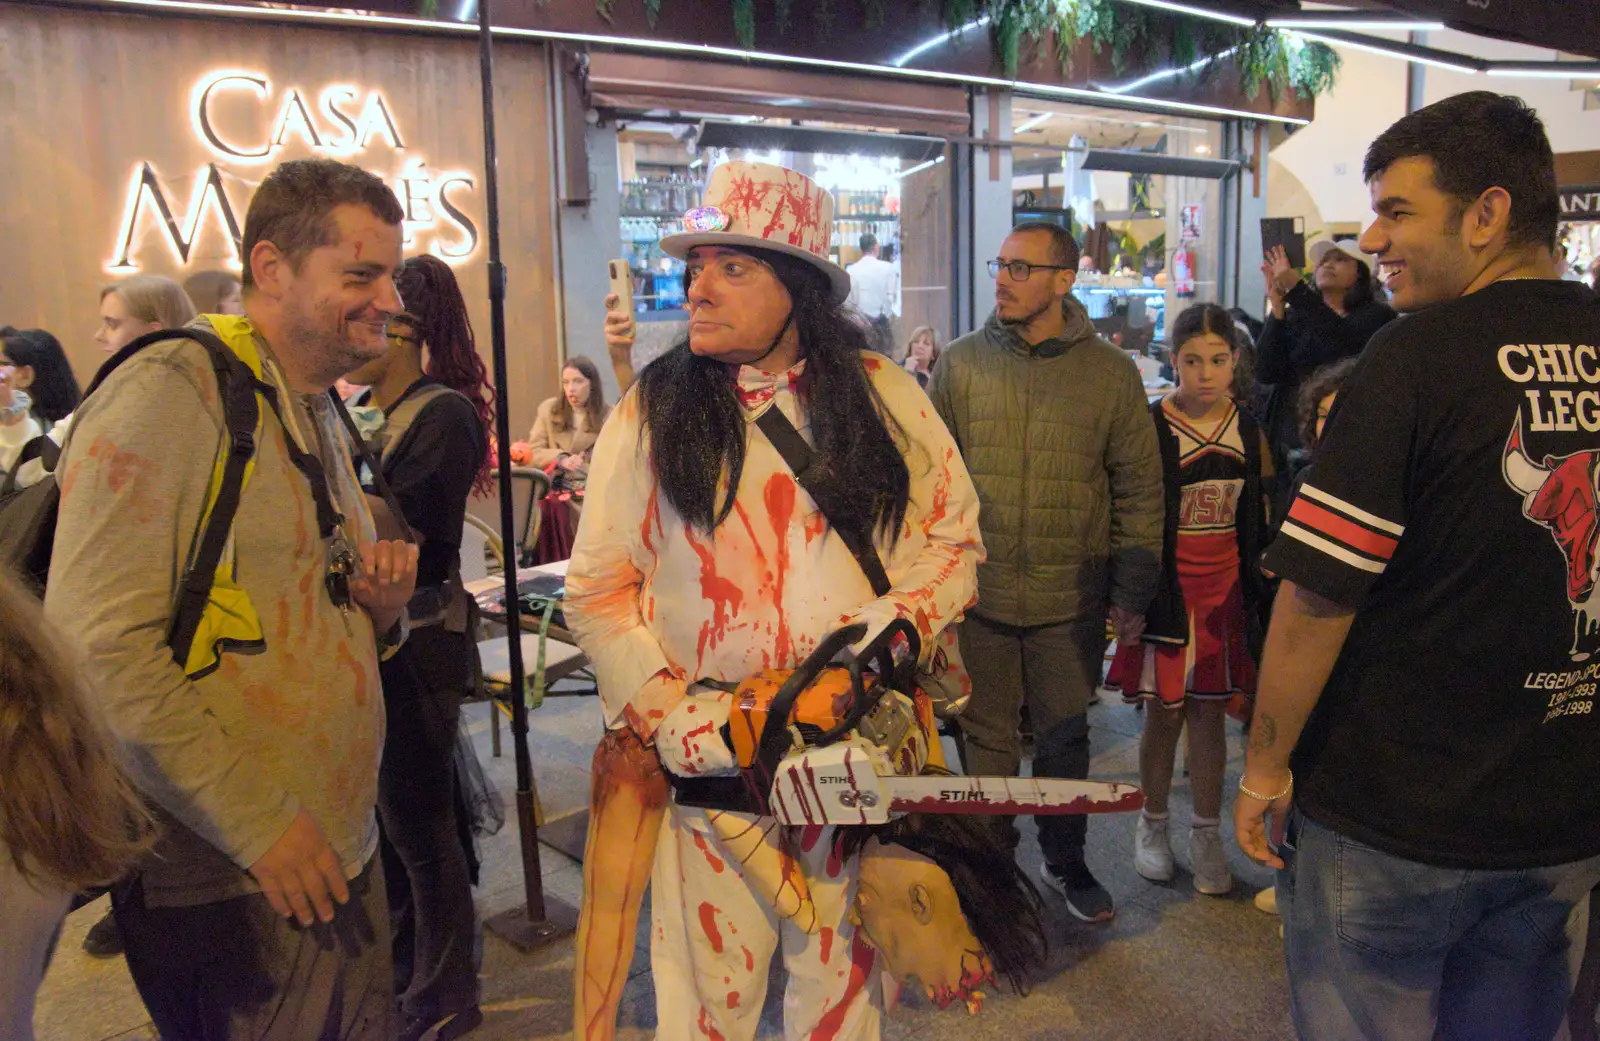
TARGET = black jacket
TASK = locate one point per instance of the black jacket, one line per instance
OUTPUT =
(1290, 349)
(1167, 620)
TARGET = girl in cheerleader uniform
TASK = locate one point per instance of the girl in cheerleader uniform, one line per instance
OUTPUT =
(1194, 657)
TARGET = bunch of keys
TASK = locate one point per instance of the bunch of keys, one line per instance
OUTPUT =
(341, 567)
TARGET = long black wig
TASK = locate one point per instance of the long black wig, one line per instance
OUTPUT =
(698, 431)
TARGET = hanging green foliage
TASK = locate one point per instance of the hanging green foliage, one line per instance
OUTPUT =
(652, 12)
(1135, 36)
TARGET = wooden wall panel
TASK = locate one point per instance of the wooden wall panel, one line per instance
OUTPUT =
(88, 96)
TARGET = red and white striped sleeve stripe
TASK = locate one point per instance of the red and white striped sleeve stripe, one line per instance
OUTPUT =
(1342, 531)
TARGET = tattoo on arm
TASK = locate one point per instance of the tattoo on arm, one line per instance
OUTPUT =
(1263, 732)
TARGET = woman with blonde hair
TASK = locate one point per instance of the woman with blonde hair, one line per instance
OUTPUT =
(68, 818)
(922, 351)
(138, 305)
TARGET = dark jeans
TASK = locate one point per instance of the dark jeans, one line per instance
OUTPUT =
(430, 892)
(234, 971)
(1053, 669)
(1381, 947)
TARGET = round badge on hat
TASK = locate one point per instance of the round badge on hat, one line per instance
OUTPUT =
(765, 207)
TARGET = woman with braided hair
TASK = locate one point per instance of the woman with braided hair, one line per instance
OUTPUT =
(434, 450)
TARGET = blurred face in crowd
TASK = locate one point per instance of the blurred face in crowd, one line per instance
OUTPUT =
(1205, 369)
(232, 301)
(336, 304)
(1324, 407)
(117, 327)
(17, 377)
(1428, 248)
(1336, 272)
(402, 338)
(922, 349)
(575, 385)
(1020, 301)
(737, 305)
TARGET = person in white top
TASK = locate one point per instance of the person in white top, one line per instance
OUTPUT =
(875, 292)
(701, 557)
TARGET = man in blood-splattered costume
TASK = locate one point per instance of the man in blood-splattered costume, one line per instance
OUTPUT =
(701, 558)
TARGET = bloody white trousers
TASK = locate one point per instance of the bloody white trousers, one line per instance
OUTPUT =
(712, 940)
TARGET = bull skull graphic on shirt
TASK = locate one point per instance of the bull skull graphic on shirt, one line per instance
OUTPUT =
(1559, 494)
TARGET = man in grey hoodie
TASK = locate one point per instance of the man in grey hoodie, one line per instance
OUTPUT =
(1053, 423)
(260, 914)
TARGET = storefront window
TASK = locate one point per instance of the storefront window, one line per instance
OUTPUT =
(1150, 241)
(901, 203)
(1579, 234)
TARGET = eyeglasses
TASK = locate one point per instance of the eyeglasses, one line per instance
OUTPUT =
(1021, 270)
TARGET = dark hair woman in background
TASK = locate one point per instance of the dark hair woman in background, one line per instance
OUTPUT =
(43, 371)
(1307, 328)
(434, 449)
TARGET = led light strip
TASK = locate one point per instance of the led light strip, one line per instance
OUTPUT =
(1579, 71)
(935, 161)
(1390, 53)
(713, 51)
(935, 41)
(1196, 12)
(1370, 24)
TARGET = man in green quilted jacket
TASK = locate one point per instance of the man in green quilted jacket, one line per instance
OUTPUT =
(1053, 423)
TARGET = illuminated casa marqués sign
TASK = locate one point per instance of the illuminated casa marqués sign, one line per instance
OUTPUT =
(340, 122)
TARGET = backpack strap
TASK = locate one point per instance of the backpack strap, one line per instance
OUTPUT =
(364, 454)
(41, 448)
(799, 457)
(237, 387)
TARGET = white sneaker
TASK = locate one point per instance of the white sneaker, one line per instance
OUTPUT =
(1208, 861)
(1267, 900)
(1152, 851)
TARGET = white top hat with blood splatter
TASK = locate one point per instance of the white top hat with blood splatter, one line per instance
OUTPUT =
(767, 207)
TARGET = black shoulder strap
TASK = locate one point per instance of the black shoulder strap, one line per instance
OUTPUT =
(364, 453)
(799, 456)
(236, 388)
(41, 448)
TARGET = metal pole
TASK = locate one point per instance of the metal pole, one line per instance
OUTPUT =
(528, 926)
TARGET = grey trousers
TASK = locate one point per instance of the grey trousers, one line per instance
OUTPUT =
(234, 971)
(1054, 670)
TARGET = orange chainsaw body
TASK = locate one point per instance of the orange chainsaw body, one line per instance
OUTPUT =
(903, 727)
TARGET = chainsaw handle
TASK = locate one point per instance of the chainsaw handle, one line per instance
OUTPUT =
(775, 741)
(881, 649)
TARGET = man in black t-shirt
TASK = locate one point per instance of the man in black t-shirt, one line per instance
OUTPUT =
(1432, 668)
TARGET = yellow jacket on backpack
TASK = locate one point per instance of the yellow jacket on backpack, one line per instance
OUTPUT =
(230, 621)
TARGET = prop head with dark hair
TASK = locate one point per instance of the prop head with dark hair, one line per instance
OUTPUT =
(941, 901)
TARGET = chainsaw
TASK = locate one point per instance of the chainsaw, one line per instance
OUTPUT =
(848, 743)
